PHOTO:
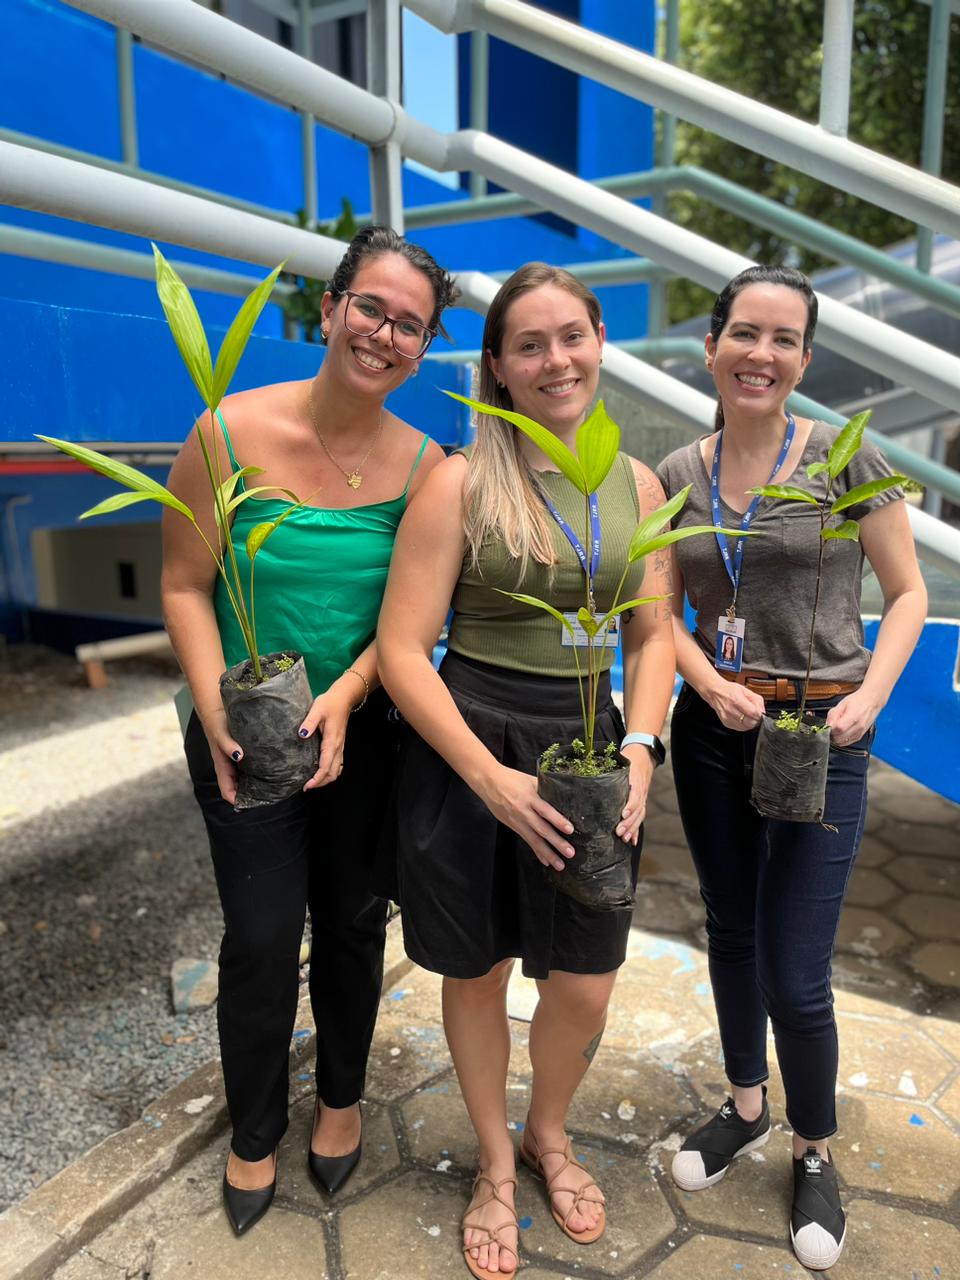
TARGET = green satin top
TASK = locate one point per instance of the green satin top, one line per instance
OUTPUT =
(493, 628)
(319, 579)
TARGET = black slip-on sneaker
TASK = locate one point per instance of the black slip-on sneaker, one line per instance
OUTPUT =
(818, 1227)
(706, 1155)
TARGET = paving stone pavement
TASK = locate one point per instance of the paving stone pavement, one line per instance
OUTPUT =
(147, 1207)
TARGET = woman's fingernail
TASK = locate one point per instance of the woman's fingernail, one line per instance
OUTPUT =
(304, 733)
(235, 755)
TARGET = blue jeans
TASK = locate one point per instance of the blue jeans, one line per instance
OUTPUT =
(773, 892)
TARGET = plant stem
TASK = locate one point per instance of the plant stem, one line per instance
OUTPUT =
(824, 516)
(590, 718)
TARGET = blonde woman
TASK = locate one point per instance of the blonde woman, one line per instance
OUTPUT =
(472, 830)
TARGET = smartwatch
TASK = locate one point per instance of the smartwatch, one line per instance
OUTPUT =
(657, 749)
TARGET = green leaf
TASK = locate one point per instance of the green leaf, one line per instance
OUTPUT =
(258, 536)
(849, 531)
(129, 477)
(656, 520)
(185, 326)
(228, 486)
(589, 623)
(116, 503)
(864, 491)
(537, 604)
(847, 443)
(238, 335)
(631, 604)
(545, 440)
(677, 535)
(788, 492)
(815, 468)
(598, 440)
(260, 488)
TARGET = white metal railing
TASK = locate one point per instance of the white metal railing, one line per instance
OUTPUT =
(184, 27)
(69, 189)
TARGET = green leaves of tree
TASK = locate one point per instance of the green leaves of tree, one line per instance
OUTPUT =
(788, 492)
(864, 491)
(847, 443)
(849, 531)
(188, 333)
(143, 487)
(598, 440)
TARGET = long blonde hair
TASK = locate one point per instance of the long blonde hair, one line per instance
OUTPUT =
(502, 494)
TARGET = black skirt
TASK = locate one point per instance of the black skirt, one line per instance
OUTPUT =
(472, 893)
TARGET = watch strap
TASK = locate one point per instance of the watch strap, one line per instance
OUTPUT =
(657, 749)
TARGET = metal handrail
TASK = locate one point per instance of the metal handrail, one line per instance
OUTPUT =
(852, 168)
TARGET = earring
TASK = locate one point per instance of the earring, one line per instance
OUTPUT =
(324, 333)
(500, 384)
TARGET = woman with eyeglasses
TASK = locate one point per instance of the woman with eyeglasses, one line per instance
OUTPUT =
(320, 580)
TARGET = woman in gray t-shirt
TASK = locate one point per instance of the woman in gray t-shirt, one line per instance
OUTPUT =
(773, 889)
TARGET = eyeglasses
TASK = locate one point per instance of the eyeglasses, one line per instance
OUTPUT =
(364, 317)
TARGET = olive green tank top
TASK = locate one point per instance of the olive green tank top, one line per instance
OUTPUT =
(493, 628)
(319, 579)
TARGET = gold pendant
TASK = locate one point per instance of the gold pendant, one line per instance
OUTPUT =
(355, 480)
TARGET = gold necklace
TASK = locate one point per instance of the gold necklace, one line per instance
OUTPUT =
(353, 478)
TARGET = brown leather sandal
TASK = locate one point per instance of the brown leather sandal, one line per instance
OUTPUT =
(492, 1233)
(534, 1160)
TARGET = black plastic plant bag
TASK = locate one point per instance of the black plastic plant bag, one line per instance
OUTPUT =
(600, 873)
(265, 720)
(790, 772)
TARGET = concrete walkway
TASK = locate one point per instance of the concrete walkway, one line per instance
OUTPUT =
(144, 1205)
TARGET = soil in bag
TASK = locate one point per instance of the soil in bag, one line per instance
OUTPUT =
(790, 772)
(600, 873)
(265, 719)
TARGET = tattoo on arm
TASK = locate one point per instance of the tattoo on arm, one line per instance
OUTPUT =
(591, 1049)
(663, 568)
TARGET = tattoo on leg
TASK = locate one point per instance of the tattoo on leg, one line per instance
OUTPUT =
(593, 1046)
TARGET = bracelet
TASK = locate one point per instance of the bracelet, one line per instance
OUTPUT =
(366, 687)
(649, 740)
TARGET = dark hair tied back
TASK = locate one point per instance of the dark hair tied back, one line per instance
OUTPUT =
(374, 241)
(789, 277)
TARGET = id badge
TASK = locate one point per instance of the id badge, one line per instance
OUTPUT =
(580, 637)
(729, 655)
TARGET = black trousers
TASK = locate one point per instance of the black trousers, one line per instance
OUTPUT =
(313, 851)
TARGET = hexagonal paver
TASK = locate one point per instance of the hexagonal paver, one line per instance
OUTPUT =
(438, 1129)
(870, 888)
(410, 1227)
(662, 998)
(638, 1216)
(873, 852)
(628, 1100)
(893, 1244)
(899, 1148)
(667, 908)
(709, 1258)
(939, 962)
(925, 809)
(949, 1103)
(944, 1030)
(938, 842)
(868, 933)
(754, 1196)
(865, 984)
(889, 1057)
(702, 1067)
(929, 915)
(380, 1156)
(408, 1045)
(923, 873)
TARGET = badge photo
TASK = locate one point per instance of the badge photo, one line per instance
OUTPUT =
(729, 647)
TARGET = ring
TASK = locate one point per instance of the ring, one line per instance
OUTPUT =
(742, 715)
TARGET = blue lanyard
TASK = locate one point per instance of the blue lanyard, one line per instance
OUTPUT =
(733, 565)
(589, 569)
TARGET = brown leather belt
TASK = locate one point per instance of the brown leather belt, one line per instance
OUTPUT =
(783, 689)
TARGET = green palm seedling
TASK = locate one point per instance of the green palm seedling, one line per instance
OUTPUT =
(211, 380)
(586, 467)
(839, 457)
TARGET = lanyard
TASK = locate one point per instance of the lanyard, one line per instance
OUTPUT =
(589, 569)
(733, 566)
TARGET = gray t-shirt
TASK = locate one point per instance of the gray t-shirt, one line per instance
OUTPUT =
(779, 572)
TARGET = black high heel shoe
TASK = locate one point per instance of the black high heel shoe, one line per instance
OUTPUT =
(331, 1172)
(245, 1208)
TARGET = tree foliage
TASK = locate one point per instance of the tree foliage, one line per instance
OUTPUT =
(771, 51)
